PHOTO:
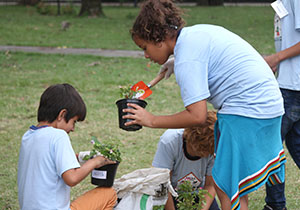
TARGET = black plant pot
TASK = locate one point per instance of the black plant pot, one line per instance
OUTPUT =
(105, 175)
(122, 104)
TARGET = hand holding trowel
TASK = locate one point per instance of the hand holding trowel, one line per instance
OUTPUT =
(142, 90)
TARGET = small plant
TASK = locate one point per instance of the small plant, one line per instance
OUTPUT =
(187, 196)
(127, 92)
(162, 207)
(109, 151)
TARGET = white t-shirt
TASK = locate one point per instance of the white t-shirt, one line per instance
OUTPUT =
(289, 69)
(45, 154)
(215, 64)
(171, 154)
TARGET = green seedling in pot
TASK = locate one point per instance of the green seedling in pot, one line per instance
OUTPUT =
(109, 151)
(127, 92)
(139, 90)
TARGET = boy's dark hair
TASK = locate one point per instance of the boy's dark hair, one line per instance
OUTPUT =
(157, 20)
(202, 137)
(58, 97)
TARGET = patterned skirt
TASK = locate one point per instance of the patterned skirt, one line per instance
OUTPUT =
(249, 153)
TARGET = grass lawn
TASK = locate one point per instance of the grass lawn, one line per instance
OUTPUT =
(24, 26)
(24, 76)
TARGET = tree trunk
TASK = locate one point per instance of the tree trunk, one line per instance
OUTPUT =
(216, 2)
(58, 7)
(91, 8)
(29, 2)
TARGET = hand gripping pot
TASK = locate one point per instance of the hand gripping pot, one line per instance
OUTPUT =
(122, 104)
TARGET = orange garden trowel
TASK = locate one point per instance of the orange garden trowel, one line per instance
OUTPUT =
(142, 90)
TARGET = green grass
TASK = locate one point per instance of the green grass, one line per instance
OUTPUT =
(24, 26)
(24, 76)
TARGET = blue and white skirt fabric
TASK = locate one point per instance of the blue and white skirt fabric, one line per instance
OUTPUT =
(249, 153)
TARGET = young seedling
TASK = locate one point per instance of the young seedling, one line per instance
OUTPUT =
(109, 151)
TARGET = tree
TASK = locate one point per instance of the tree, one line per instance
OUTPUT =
(91, 8)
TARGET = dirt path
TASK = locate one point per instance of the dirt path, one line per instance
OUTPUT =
(96, 52)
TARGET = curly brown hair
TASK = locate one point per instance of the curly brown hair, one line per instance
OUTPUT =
(202, 137)
(157, 20)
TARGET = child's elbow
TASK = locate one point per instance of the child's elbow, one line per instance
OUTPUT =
(71, 183)
(198, 120)
(69, 178)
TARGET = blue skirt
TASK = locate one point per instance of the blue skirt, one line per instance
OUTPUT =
(249, 153)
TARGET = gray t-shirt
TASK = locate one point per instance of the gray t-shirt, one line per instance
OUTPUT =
(172, 155)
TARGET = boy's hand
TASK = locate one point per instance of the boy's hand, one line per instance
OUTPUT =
(102, 161)
(75, 175)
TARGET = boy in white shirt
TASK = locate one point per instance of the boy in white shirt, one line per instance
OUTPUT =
(48, 166)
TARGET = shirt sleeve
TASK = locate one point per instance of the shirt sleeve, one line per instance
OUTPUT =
(192, 78)
(296, 11)
(210, 165)
(64, 155)
(165, 153)
(192, 52)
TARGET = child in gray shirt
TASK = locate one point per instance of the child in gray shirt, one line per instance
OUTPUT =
(189, 154)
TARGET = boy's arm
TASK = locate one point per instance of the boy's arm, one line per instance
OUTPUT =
(209, 186)
(73, 176)
(170, 203)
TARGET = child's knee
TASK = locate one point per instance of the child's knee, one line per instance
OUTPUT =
(106, 190)
(97, 198)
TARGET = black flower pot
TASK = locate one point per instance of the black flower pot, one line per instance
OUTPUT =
(105, 175)
(122, 104)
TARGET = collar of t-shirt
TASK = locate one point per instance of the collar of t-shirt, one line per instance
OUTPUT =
(33, 127)
(187, 155)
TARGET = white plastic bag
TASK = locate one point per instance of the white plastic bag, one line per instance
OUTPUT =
(135, 201)
(154, 182)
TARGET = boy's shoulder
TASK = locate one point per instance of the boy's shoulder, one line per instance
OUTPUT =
(172, 136)
(47, 132)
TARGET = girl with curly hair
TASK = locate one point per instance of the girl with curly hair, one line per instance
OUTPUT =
(212, 64)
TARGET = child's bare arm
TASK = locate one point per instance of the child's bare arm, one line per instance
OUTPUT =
(73, 176)
(209, 186)
(170, 203)
(193, 115)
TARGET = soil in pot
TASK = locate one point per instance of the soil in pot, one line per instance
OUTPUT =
(105, 175)
(122, 104)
